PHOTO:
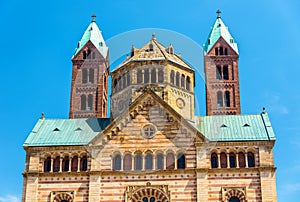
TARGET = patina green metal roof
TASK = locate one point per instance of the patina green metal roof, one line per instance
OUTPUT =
(93, 34)
(220, 30)
(55, 132)
(236, 127)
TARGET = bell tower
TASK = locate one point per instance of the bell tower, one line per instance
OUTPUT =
(221, 71)
(89, 87)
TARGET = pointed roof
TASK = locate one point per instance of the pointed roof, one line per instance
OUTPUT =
(93, 34)
(154, 50)
(220, 30)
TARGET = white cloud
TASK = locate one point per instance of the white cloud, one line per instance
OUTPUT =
(9, 198)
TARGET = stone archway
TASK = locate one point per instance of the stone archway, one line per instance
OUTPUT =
(148, 193)
(235, 193)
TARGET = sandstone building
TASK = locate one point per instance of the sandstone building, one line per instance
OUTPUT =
(152, 148)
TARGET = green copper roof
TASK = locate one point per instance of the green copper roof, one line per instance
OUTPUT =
(220, 30)
(236, 127)
(54, 132)
(93, 34)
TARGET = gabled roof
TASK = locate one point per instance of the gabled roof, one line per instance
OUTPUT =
(236, 127)
(93, 34)
(156, 52)
(55, 132)
(220, 30)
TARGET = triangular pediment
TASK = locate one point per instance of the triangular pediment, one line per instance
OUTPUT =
(89, 45)
(170, 128)
(222, 42)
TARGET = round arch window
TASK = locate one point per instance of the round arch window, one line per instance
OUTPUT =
(148, 131)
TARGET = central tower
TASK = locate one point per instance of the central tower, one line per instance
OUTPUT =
(221, 71)
(156, 67)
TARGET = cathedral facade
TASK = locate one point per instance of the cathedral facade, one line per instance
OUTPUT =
(152, 148)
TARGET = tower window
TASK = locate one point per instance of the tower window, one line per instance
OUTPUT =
(219, 99)
(150, 47)
(177, 78)
(153, 76)
(104, 81)
(56, 164)
(84, 55)
(182, 81)
(88, 54)
(181, 161)
(146, 76)
(160, 161)
(149, 162)
(83, 163)
(225, 51)
(66, 163)
(83, 102)
(90, 102)
(225, 72)
(214, 160)
(218, 72)
(223, 159)
(127, 162)
(170, 161)
(117, 162)
(232, 160)
(161, 76)
(221, 51)
(139, 76)
(91, 75)
(172, 74)
(84, 75)
(188, 83)
(227, 98)
(138, 162)
(216, 51)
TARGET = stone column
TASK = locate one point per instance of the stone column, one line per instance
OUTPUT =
(51, 170)
(60, 164)
(78, 165)
(246, 160)
(219, 160)
(237, 160)
(228, 161)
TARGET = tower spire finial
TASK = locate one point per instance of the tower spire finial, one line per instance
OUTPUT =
(94, 18)
(219, 13)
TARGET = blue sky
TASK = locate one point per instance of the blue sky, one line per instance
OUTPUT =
(38, 39)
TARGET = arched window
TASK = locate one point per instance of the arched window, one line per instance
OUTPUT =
(161, 76)
(146, 76)
(160, 161)
(119, 84)
(177, 78)
(84, 55)
(128, 79)
(223, 159)
(214, 160)
(242, 163)
(227, 98)
(83, 163)
(88, 54)
(83, 102)
(66, 163)
(150, 47)
(188, 83)
(117, 162)
(172, 74)
(90, 102)
(47, 164)
(225, 72)
(218, 72)
(251, 160)
(219, 99)
(104, 81)
(216, 51)
(127, 163)
(182, 81)
(139, 76)
(115, 85)
(149, 162)
(170, 161)
(221, 50)
(153, 76)
(56, 164)
(84, 75)
(234, 199)
(225, 51)
(138, 162)
(232, 161)
(74, 166)
(91, 75)
(181, 161)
